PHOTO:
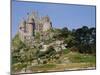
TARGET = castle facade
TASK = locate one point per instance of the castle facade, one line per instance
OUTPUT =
(32, 25)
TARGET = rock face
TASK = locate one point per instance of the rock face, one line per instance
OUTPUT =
(57, 45)
(33, 25)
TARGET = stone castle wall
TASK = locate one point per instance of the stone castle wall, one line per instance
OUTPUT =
(28, 28)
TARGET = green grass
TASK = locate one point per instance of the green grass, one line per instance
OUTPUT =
(49, 65)
(46, 66)
(43, 67)
(61, 67)
(66, 51)
(77, 58)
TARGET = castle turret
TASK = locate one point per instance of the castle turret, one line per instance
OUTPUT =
(46, 23)
(22, 25)
(22, 29)
(30, 26)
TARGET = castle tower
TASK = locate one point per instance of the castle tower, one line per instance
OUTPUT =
(30, 26)
(46, 23)
(22, 29)
(34, 25)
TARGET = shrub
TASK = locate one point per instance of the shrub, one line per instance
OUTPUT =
(74, 49)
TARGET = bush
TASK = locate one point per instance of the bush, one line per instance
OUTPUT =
(74, 49)
(65, 51)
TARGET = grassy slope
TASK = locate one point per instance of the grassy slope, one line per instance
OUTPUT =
(77, 61)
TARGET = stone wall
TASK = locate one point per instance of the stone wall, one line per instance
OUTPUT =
(32, 25)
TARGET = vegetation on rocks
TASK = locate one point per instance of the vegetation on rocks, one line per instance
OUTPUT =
(79, 44)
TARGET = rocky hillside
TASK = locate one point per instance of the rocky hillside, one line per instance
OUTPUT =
(43, 47)
(51, 51)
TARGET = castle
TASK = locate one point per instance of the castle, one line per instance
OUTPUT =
(32, 25)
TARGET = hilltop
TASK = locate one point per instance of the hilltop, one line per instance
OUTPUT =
(38, 47)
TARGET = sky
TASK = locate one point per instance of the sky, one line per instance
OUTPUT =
(61, 15)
